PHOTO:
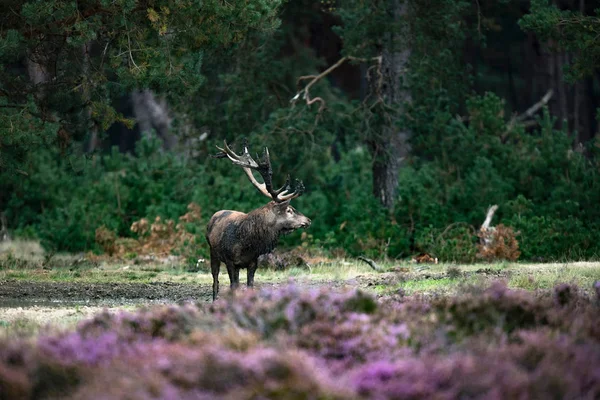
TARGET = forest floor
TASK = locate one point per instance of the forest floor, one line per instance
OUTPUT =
(36, 294)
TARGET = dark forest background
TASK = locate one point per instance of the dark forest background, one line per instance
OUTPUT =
(405, 119)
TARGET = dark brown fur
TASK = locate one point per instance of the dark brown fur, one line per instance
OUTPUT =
(238, 239)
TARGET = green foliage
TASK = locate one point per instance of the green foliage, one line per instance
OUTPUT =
(571, 31)
(68, 199)
(544, 189)
(546, 238)
(437, 75)
(65, 201)
(365, 25)
(21, 134)
(232, 68)
(86, 55)
(456, 243)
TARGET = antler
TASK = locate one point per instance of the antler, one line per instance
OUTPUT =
(263, 167)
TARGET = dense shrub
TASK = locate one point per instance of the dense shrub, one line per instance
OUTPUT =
(456, 242)
(545, 191)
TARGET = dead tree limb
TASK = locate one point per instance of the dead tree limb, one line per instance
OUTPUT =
(488, 219)
(497, 242)
(526, 118)
(486, 233)
(305, 92)
(534, 108)
(371, 263)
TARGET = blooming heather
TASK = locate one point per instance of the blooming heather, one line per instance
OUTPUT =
(296, 343)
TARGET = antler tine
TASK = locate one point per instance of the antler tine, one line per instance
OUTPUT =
(245, 160)
(285, 188)
(263, 167)
(265, 170)
(296, 193)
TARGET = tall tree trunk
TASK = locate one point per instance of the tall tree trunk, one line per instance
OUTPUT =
(85, 71)
(389, 145)
(579, 107)
(151, 113)
(569, 103)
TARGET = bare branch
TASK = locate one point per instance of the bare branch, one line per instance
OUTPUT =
(525, 118)
(305, 92)
(534, 108)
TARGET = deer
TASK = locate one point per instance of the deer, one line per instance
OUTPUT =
(237, 239)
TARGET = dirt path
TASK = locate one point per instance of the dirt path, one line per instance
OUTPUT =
(99, 293)
(62, 304)
(18, 292)
(28, 306)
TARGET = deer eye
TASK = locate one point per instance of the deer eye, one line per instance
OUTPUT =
(289, 210)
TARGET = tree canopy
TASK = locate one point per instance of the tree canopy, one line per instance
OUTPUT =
(65, 62)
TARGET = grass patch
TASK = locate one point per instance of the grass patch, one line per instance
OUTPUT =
(421, 278)
(19, 274)
(430, 285)
(532, 278)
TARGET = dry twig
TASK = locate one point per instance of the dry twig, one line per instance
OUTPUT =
(305, 92)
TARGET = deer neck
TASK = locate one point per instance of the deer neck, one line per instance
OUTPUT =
(258, 232)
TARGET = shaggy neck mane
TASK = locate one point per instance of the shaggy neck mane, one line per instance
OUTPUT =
(258, 233)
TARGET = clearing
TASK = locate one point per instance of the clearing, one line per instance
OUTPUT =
(34, 296)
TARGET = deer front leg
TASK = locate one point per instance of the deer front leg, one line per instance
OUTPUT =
(251, 270)
(234, 276)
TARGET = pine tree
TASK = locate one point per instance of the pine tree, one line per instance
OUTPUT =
(62, 63)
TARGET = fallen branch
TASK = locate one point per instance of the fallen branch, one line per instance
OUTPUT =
(488, 218)
(371, 263)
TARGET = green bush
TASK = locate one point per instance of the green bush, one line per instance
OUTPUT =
(456, 243)
(545, 238)
(544, 190)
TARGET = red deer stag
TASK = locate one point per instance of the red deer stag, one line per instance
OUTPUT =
(238, 239)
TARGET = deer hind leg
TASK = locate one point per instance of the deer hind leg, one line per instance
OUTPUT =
(215, 267)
